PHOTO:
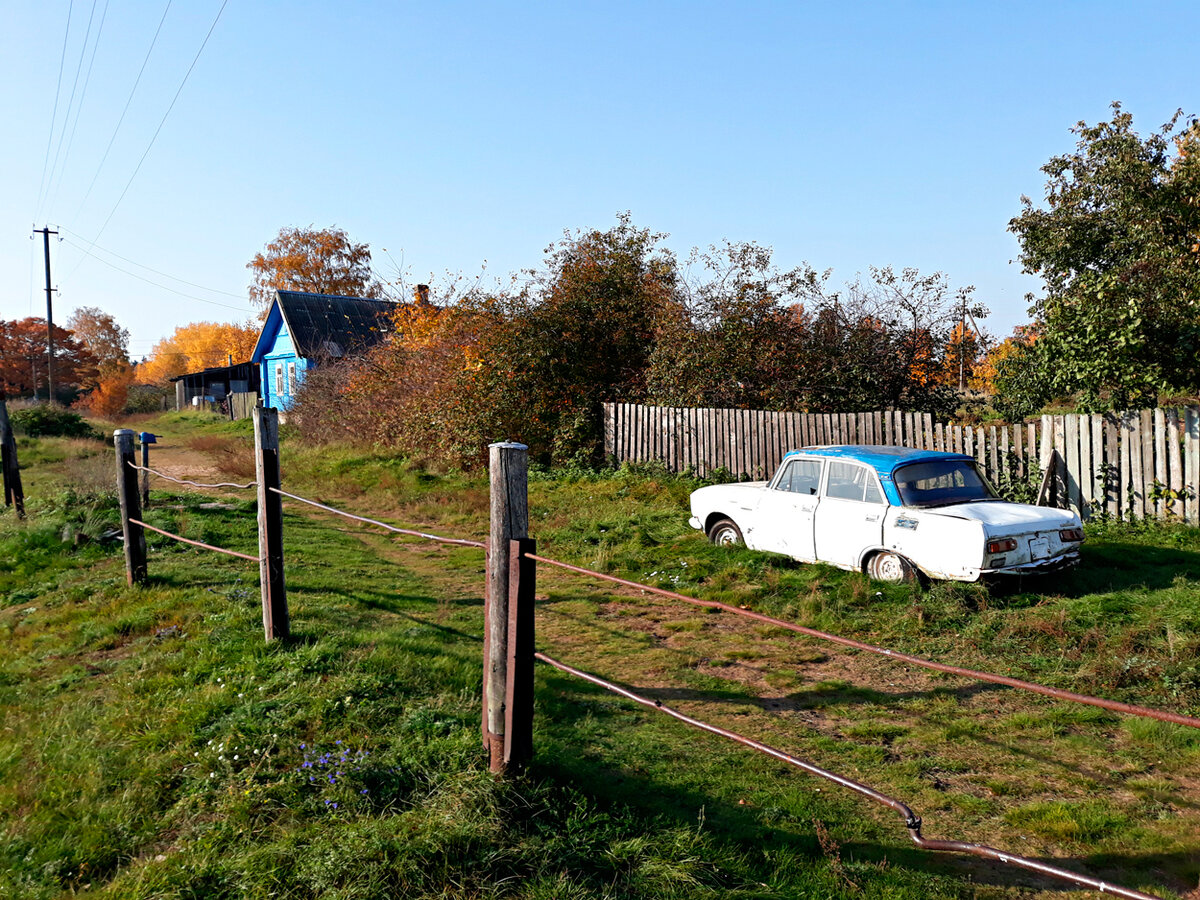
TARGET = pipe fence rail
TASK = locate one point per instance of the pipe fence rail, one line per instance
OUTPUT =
(406, 531)
(197, 484)
(1057, 693)
(912, 821)
(509, 653)
(200, 544)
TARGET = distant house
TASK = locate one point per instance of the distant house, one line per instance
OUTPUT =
(216, 382)
(303, 330)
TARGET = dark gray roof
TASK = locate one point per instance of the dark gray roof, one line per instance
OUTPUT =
(326, 325)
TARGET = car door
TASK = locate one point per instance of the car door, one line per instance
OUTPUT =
(784, 518)
(849, 516)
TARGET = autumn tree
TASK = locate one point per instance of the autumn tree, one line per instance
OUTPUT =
(581, 332)
(1117, 245)
(734, 337)
(198, 346)
(23, 358)
(319, 261)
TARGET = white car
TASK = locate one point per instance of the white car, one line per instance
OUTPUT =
(890, 512)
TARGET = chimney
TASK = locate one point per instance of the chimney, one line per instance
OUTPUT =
(422, 294)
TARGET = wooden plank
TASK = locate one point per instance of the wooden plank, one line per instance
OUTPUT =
(1071, 452)
(1191, 463)
(993, 454)
(898, 429)
(968, 440)
(1161, 507)
(1146, 433)
(927, 430)
(1086, 469)
(1018, 456)
(1004, 472)
(1131, 467)
(1031, 444)
(939, 436)
(1047, 443)
(1174, 439)
(888, 439)
(827, 421)
(980, 448)
(1059, 440)
(1099, 482)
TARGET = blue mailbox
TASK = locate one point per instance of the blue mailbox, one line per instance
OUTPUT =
(147, 438)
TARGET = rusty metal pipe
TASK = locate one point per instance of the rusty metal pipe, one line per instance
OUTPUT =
(911, 820)
(199, 544)
(1057, 693)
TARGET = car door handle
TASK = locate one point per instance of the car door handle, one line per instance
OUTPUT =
(874, 518)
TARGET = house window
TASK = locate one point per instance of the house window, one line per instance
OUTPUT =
(279, 379)
(291, 378)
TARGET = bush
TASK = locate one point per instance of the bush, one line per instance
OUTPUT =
(44, 420)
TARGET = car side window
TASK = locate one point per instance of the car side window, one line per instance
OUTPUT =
(802, 476)
(848, 481)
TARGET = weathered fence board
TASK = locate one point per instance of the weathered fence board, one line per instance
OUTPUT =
(1130, 464)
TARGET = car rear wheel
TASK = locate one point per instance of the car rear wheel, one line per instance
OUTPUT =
(725, 533)
(892, 568)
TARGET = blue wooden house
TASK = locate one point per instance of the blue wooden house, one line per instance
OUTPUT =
(302, 331)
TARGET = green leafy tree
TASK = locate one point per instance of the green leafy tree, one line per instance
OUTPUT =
(1116, 245)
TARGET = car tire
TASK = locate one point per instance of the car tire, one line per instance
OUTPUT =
(725, 533)
(892, 568)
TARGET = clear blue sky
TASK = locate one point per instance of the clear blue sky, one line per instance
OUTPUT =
(452, 133)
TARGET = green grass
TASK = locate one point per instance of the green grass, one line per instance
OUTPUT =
(151, 743)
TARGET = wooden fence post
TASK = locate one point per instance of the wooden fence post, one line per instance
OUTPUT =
(14, 495)
(509, 476)
(127, 492)
(518, 694)
(270, 524)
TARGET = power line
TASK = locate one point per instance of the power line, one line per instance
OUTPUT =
(121, 118)
(138, 168)
(87, 79)
(54, 115)
(87, 251)
(148, 268)
(71, 100)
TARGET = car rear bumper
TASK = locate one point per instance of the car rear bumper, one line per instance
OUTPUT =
(1067, 560)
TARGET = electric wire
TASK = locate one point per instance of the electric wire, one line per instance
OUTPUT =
(70, 102)
(121, 118)
(87, 79)
(54, 115)
(157, 131)
(87, 252)
(151, 269)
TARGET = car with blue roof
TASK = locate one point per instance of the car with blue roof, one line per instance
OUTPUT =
(895, 513)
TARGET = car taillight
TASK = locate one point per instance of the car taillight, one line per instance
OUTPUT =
(1001, 546)
(1071, 534)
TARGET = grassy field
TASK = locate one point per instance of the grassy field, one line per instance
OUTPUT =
(153, 746)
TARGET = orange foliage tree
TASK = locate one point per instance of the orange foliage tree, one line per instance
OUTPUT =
(198, 346)
(320, 261)
(23, 358)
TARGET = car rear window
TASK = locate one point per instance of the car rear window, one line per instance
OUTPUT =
(940, 482)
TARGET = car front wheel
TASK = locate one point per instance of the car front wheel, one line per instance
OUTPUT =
(891, 567)
(725, 533)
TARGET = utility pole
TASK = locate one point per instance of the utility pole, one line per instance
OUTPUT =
(45, 233)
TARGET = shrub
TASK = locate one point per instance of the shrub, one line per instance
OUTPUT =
(44, 420)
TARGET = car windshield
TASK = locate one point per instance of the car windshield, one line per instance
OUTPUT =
(940, 482)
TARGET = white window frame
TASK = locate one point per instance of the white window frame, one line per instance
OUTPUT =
(291, 379)
(279, 378)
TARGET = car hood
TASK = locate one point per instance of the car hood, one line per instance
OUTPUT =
(1001, 514)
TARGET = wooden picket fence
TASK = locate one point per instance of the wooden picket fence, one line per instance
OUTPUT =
(1137, 464)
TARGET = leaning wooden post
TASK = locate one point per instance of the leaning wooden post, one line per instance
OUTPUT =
(127, 493)
(145, 473)
(13, 493)
(270, 524)
(508, 463)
